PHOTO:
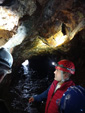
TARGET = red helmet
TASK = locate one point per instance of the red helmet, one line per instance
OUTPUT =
(66, 65)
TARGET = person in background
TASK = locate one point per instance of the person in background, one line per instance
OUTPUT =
(6, 61)
(63, 71)
(73, 100)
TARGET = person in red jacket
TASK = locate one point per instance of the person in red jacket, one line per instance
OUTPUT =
(63, 71)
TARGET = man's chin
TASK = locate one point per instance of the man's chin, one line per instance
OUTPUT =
(56, 79)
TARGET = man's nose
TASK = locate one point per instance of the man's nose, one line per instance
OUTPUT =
(54, 71)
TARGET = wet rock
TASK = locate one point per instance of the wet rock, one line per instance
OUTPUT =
(43, 23)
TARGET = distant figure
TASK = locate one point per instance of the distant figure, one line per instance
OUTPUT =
(73, 100)
(24, 68)
(63, 71)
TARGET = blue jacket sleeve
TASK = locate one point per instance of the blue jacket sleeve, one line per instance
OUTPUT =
(42, 95)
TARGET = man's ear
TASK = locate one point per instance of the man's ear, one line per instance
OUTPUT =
(66, 75)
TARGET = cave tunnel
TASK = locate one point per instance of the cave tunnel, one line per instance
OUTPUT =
(40, 75)
(37, 33)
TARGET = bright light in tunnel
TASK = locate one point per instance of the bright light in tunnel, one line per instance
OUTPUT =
(54, 64)
(26, 62)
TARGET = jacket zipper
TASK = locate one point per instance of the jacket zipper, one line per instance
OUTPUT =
(50, 99)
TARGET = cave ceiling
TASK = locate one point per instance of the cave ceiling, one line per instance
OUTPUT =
(33, 27)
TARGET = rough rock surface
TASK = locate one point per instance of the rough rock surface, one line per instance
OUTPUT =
(40, 27)
(51, 25)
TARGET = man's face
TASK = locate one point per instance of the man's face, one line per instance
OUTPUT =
(57, 74)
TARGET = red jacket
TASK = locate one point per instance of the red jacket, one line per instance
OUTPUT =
(51, 105)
